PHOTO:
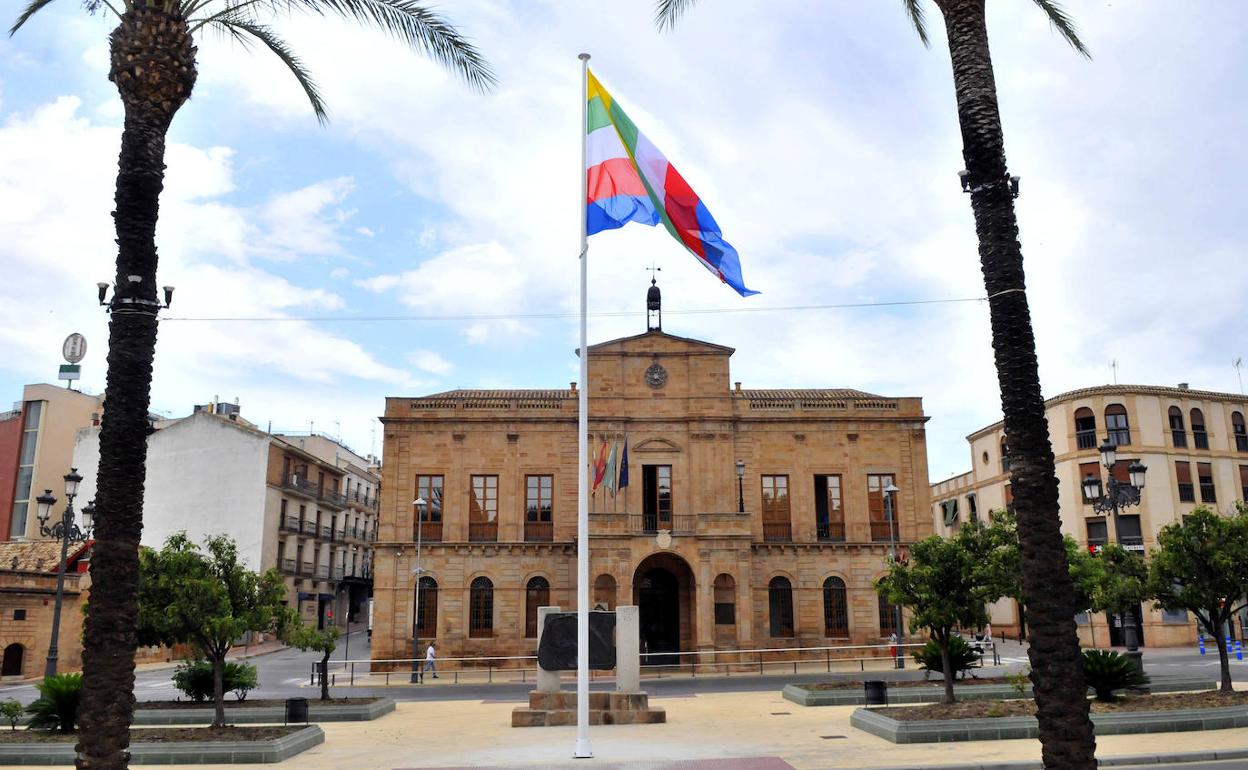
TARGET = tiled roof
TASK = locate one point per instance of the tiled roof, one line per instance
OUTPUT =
(35, 555)
(808, 393)
(535, 393)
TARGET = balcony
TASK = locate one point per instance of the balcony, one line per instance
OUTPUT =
(830, 532)
(539, 531)
(332, 498)
(288, 566)
(1207, 493)
(327, 532)
(340, 535)
(1187, 492)
(777, 532)
(300, 486)
(880, 532)
(1200, 439)
(651, 523)
(338, 573)
(322, 571)
(1179, 438)
(307, 569)
(483, 531)
(289, 524)
(363, 502)
(1120, 436)
(1241, 442)
(430, 532)
(1085, 439)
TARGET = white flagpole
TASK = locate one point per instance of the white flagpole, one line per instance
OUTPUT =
(583, 750)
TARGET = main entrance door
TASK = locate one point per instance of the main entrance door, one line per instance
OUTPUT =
(663, 592)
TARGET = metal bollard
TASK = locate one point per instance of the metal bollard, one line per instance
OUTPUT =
(1200, 643)
(1239, 650)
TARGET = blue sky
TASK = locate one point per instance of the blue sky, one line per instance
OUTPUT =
(822, 136)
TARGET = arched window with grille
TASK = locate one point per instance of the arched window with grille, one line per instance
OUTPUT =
(1116, 425)
(1085, 428)
(888, 616)
(427, 610)
(1178, 433)
(1240, 432)
(536, 594)
(604, 592)
(1200, 438)
(481, 608)
(835, 608)
(780, 607)
(725, 600)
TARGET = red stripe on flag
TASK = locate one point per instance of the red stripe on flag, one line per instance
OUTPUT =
(612, 177)
(681, 204)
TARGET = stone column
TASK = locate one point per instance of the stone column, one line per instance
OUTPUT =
(627, 649)
(547, 681)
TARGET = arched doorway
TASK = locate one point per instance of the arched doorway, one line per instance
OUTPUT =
(663, 591)
(12, 663)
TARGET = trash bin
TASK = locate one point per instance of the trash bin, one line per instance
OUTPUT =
(875, 692)
(296, 710)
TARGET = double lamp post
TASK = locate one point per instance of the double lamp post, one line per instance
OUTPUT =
(67, 532)
(417, 675)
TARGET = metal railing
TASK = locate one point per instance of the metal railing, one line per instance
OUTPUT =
(300, 485)
(307, 569)
(830, 532)
(1241, 442)
(288, 566)
(777, 532)
(1200, 439)
(308, 527)
(880, 532)
(290, 523)
(430, 532)
(333, 497)
(339, 572)
(322, 571)
(1085, 439)
(1179, 437)
(539, 531)
(651, 523)
(482, 531)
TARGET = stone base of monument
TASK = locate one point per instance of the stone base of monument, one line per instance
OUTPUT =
(605, 708)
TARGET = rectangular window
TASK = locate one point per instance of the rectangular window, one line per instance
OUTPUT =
(1085, 431)
(888, 616)
(972, 507)
(429, 489)
(880, 510)
(1098, 532)
(1174, 616)
(1177, 433)
(1205, 473)
(26, 468)
(656, 497)
(1130, 536)
(1092, 469)
(539, 508)
(829, 515)
(725, 614)
(483, 509)
(1117, 427)
(1243, 482)
(1183, 474)
(777, 525)
(19, 614)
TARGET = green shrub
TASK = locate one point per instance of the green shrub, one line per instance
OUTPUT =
(1020, 680)
(1108, 671)
(11, 710)
(961, 656)
(57, 707)
(194, 679)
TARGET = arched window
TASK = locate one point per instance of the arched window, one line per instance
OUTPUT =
(604, 591)
(780, 606)
(1178, 434)
(888, 616)
(1240, 431)
(427, 613)
(1116, 425)
(1005, 457)
(1085, 428)
(12, 664)
(1200, 439)
(725, 600)
(835, 608)
(481, 608)
(536, 594)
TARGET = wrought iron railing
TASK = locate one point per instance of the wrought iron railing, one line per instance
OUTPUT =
(652, 523)
(777, 532)
(880, 532)
(828, 531)
(539, 531)
(483, 531)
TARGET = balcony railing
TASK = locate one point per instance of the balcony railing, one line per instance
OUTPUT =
(828, 531)
(1207, 493)
(308, 527)
(539, 531)
(290, 523)
(651, 523)
(327, 532)
(483, 531)
(364, 500)
(1178, 438)
(777, 532)
(332, 497)
(1241, 442)
(1187, 492)
(288, 566)
(322, 571)
(430, 532)
(340, 535)
(338, 573)
(1085, 439)
(307, 569)
(295, 483)
(1120, 436)
(880, 532)
(1200, 439)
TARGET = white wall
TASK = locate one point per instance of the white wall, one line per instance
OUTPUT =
(205, 475)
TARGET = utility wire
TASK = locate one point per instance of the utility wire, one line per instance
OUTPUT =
(603, 314)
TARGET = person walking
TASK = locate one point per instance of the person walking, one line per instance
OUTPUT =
(431, 656)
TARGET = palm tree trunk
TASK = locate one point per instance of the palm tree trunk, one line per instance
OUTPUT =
(153, 65)
(1066, 735)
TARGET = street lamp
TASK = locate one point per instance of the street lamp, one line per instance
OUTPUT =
(889, 492)
(421, 507)
(1115, 496)
(740, 486)
(67, 532)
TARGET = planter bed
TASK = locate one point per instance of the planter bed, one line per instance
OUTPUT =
(164, 746)
(850, 693)
(983, 721)
(260, 711)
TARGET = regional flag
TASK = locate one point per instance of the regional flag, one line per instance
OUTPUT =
(629, 180)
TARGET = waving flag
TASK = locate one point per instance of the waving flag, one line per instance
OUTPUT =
(629, 180)
(624, 466)
(600, 466)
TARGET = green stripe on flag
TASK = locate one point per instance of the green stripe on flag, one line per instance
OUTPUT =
(597, 116)
(625, 127)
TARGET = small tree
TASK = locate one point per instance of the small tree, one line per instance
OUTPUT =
(208, 600)
(324, 642)
(11, 711)
(1201, 565)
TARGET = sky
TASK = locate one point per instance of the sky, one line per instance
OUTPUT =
(822, 136)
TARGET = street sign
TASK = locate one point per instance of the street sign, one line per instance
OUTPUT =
(70, 372)
(74, 349)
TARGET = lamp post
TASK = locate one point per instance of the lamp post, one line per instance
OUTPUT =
(740, 486)
(67, 532)
(417, 675)
(1115, 496)
(889, 492)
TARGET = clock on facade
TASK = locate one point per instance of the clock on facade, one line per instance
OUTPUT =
(656, 375)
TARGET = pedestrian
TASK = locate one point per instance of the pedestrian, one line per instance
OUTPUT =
(430, 660)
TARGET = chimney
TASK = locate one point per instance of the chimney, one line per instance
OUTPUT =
(1183, 386)
(573, 387)
(738, 386)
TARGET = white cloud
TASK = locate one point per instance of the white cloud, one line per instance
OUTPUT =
(430, 361)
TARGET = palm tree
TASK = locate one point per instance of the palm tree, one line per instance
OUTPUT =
(1061, 697)
(153, 66)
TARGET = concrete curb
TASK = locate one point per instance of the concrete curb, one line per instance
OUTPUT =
(317, 712)
(1130, 759)
(196, 753)
(803, 696)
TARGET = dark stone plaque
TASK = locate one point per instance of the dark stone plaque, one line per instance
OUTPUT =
(557, 650)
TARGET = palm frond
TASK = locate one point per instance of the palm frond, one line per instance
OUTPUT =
(34, 7)
(237, 25)
(417, 26)
(914, 10)
(1064, 24)
(667, 12)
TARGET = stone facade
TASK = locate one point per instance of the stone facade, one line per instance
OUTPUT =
(708, 572)
(28, 600)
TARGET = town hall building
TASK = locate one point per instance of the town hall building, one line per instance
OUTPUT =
(748, 518)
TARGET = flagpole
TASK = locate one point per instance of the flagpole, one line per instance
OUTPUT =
(583, 750)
